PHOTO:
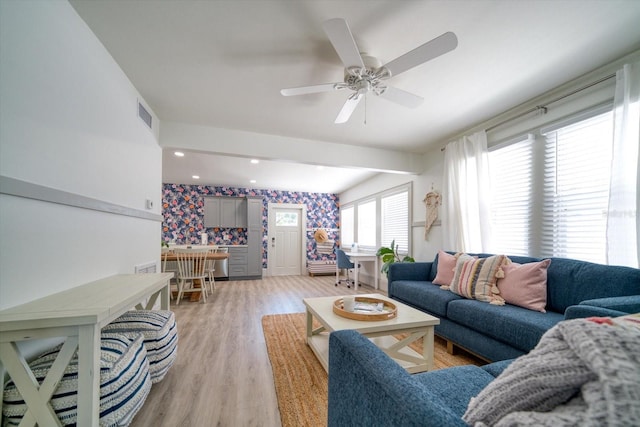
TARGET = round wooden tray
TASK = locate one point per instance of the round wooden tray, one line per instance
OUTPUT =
(390, 310)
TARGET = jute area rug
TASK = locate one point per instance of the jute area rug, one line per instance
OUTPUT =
(300, 380)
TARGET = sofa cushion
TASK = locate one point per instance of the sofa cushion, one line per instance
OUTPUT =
(520, 327)
(424, 296)
(476, 278)
(525, 285)
(456, 386)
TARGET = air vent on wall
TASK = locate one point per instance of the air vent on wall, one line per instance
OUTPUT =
(144, 115)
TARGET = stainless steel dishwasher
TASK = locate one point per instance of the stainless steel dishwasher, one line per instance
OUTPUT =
(222, 266)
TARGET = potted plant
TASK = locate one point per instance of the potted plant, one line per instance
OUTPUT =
(390, 255)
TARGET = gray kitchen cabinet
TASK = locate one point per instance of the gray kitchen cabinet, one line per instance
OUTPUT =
(237, 262)
(225, 212)
(254, 237)
(241, 212)
(212, 212)
(228, 212)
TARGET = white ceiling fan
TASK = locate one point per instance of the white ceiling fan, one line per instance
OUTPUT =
(365, 74)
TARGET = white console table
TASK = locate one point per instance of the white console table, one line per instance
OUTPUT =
(355, 258)
(77, 314)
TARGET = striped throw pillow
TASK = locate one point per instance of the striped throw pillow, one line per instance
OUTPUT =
(476, 278)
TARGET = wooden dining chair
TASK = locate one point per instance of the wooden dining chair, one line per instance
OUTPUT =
(170, 267)
(211, 270)
(192, 274)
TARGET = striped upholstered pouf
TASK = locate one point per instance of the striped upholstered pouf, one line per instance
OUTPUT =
(124, 383)
(160, 337)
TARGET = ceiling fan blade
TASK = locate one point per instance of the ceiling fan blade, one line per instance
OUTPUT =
(303, 90)
(348, 107)
(431, 49)
(342, 40)
(402, 97)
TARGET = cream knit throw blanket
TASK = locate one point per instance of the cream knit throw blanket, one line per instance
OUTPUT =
(581, 373)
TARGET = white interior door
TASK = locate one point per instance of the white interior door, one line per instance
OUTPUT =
(285, 241)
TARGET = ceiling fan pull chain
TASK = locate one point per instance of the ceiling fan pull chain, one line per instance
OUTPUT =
(365, 109)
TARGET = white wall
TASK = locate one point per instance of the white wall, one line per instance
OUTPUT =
(68, 121)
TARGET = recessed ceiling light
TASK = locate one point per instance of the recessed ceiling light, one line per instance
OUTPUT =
(255, 161)
(253, 181)
(195, 176)
(178, 153)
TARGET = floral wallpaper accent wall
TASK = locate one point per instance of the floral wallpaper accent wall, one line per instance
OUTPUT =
(183, 215)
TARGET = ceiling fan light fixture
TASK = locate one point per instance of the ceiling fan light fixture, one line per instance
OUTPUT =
(364, 73)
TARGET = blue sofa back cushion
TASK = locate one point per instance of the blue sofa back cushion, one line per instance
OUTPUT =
(571, 281)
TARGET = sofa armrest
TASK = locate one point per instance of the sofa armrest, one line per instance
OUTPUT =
(366, 387)
(409, 271)
(581, 311)
(604, 307)
(627, 304)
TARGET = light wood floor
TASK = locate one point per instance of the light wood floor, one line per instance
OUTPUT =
(222, 375)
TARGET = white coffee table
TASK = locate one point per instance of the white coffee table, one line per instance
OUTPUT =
(409, 320)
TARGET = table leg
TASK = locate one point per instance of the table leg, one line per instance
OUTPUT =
(89, 375)
(427, 348)
(309, 325)
(165, 296)
(377, 273)
(355, 274)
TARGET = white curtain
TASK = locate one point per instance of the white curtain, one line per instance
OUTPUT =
(466, 194)
(622, 218)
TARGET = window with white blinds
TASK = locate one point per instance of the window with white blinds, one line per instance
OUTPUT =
(346, 227)
(376, 220)
(395, 220)
(513, 182)
(577, 164)
(550, 193)
(367, 224)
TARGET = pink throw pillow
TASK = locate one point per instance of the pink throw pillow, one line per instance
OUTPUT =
(525, 285)
(446, 265)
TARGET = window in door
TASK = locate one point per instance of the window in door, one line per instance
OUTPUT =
(287, 219)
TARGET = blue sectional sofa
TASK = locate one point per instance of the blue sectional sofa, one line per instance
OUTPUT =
(367, 388)
(574, 289)
(581, 373)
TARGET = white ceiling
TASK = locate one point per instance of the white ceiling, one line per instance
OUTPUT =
(221, 64)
